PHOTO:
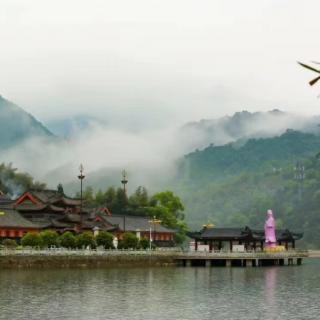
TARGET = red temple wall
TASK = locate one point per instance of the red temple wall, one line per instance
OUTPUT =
(14, 233)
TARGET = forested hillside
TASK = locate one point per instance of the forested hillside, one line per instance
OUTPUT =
(221, 162)
(16, 125)
(232, 187)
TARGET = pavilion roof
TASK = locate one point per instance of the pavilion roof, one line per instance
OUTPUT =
(223, 233)
(246, 233)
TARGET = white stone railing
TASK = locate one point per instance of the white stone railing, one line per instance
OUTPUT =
(86, 252)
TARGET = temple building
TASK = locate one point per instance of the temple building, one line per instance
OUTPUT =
(49, 209)
(15, 226)
(37, 210)
(4, 199)
(143, 227)
(209, 239)
(46, 209)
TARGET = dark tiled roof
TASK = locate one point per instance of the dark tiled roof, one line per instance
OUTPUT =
(5, 200)
(71, 202)
(101, 225)
(38, 207)
(30, 207)
(133, 223)
(12, 218)
(53, 196)
(287, 234)
(42, 222)
(46, 196)
(73, 217)
(47, 222)
(242, 234)
(224, 233)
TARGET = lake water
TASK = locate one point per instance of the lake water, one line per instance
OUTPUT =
(162, 293)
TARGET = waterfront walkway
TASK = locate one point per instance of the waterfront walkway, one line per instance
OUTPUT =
(174, 256)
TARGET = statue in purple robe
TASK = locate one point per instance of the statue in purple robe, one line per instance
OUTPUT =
(270, 231)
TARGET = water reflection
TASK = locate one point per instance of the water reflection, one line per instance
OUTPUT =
(172, 293)
(270, 288)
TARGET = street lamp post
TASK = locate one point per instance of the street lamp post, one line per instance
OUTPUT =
(81, 176)
(124, 181)
(154, 221)
(150, 239)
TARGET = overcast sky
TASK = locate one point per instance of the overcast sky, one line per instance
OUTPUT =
(158, 61)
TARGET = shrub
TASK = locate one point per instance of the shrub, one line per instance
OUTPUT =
(129, 240)
(9, 243)
(49, 238)
(105, 239)
(85, 239)
(144, 243)
(67, 240)
(31, 240)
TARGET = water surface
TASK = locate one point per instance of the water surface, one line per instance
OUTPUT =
(162, 293)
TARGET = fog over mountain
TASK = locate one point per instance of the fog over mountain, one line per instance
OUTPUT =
(18, 126)
(150, 155)
(245, 125)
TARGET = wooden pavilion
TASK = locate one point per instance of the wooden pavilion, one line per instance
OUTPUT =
(251, 239)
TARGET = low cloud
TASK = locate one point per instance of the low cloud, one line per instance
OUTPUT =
(150, 156)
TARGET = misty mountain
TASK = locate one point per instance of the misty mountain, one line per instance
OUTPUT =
(71, 126)
(16, 125)
(220, 162)
(245, 125)
(235, 184)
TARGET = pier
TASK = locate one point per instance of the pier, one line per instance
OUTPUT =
(241, 259)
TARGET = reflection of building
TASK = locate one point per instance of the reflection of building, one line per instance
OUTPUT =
(219, 238)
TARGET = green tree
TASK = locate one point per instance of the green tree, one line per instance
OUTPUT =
(138, 201)
(85, 239)
(121, 202)
(140, 197)
(60, 188)
(49, 238)
(9, 243)
(144, 243)
(110, 198)
(169, 206)
(67, 240)
(87, 196)
(105, 239)
(31, 239)
(129, 241)
(100, 198)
